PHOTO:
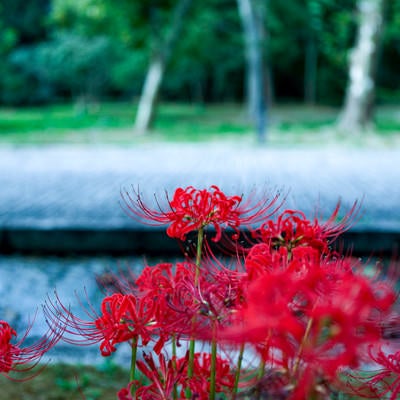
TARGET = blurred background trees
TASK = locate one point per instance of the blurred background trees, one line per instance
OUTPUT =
(96, 50)
(159, 59)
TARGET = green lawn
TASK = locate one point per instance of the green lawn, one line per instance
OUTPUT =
(113, 123)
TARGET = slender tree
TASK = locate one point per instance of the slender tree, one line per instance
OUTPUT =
(313, 29)
(155, 72)
(358, 106)
(251, 21)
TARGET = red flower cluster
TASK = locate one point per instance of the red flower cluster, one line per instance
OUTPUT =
(163, 301)
(307, 313)
(313, 317)
(165, 376)
(162, 305)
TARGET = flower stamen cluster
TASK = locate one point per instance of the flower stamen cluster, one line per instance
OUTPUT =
(192, 209)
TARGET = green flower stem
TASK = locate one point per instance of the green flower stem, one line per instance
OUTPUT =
(175, 391)
(302, 344)
(213, 363)
(190, 365)
(238, 371)
(191, 358)
(260, 374)
(192, 346)
(200, 237)
(174, 347)
(133, 364)
(261, 370)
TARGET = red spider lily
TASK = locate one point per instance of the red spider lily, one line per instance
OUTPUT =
(180, 300)
(261, 258)
(126, 392)
(380, 383)
(192, 209)
(342, 325)
(228, 289)
(164, 377)
(270, 308)
(15, 357)
(167, 285)
(293, 229)
(199, 384)
(123, 317)
(161, 282)
(157, 278)
(8, 350)
(159, 285)
(189, 308)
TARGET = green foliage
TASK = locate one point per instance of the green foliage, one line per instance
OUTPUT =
(7, 39)
(74, 49)
(16, 87)
(209, 58)
(69, 65)
(75, 64)
(26, 18)
(330, 25)
(388, 74)
(127, 72)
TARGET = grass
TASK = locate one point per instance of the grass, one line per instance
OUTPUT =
(77, 382)
(72, 382)
(112, 123)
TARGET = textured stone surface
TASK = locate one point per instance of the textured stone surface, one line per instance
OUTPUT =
(78, 188)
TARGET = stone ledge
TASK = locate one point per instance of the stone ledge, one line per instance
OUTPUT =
(155, 241)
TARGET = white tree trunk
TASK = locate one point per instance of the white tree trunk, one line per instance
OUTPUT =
(155, 73)
(149, 95)
(357, 111)
(255, 70)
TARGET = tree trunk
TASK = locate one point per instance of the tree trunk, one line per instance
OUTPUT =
(358, 106)
(255, 69)
(149, 96)
(155, 73)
